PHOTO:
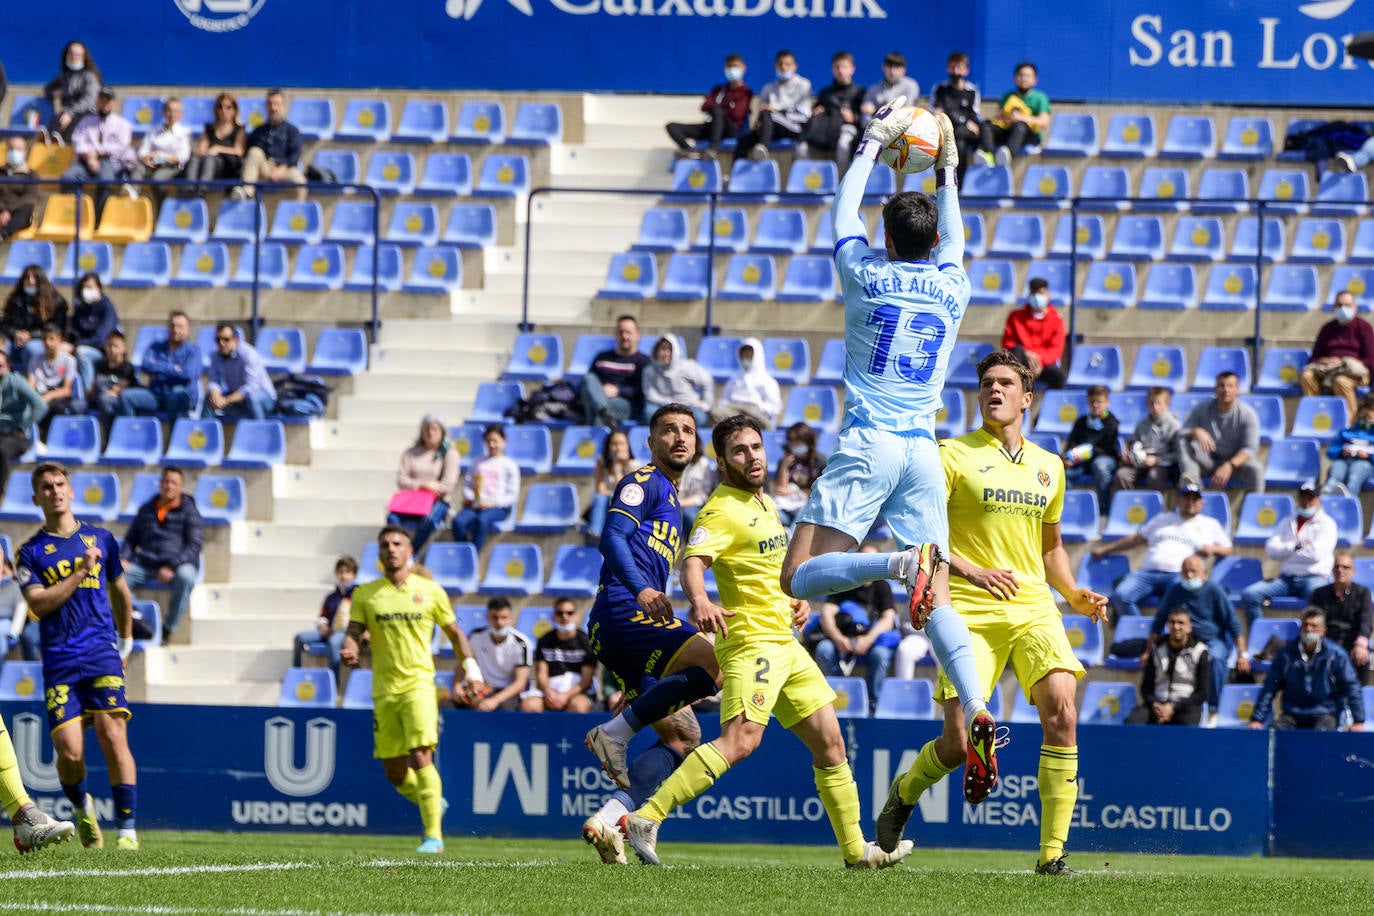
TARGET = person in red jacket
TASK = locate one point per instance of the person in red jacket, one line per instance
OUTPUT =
(1035, 332)
(1342, 354)
(727, 111)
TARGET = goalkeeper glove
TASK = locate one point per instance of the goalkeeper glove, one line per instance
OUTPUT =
(948, 157)
(887, 125)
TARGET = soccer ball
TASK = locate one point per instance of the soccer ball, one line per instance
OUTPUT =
(915, 150)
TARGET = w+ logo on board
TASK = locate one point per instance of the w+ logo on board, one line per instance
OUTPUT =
(219, 15)
(466, 9)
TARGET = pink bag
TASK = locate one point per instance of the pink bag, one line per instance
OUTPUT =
(412, 502)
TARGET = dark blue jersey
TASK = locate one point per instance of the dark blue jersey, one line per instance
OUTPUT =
(79, 638)
(648, 498)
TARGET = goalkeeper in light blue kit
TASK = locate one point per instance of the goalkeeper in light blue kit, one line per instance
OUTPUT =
(902, 312)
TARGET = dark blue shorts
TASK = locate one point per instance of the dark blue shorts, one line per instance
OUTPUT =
(82, 700)
(634, 649)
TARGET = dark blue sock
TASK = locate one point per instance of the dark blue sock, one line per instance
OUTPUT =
(126, 804)
(76, 793)
(648, 770)
(679, 689)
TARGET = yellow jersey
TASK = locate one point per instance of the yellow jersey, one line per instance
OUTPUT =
(997, 505)
(739, 532)
(401, 622)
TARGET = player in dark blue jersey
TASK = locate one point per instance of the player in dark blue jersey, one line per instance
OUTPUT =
(73, 581)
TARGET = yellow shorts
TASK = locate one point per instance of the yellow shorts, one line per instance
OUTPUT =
(1035, 646)
(771, 677)
(404, 721)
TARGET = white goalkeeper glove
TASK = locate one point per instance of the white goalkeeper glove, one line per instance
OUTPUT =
(948, 157)
(887, 125)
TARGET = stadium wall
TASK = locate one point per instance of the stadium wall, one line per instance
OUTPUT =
(1152, 790)
(1191, 51)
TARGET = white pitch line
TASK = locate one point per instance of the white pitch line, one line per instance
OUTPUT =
(155, 871)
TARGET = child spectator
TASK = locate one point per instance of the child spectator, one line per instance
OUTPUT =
(895, 82)
(615, 461)
(676, 379)
(797, 471)
(113, 374)
(752, 391)
(430, 464)
(1352, 454)
(54, 378)
(564, 667)
(93, 319)
(32, 303)
(490, 493)
(958, 97)
(784, 109)
(1023, 114)
(73, 90)
(1151, 457)
(1035, 332)
(505, 655)
(727, 111)
(834, 125)
(1090, 450)
(223, 141)
(333, 620)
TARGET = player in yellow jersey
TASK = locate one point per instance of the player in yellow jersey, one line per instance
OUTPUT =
(400, 611)
(33, 829)
(763, 668)
(1005, 498)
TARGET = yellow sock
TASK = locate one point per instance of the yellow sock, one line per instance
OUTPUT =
(840, 795)
(410, 788)
(924, 773)
(1058, 796)
(431, 800)
(12, 794)
(698, 772)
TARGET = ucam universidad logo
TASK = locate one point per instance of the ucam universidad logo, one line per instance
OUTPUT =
(221, 15)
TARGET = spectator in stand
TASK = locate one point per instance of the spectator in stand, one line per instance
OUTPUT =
(752, 390)
(505, 655)
(611, 392)
(564, 667)
(834, 125)
(1349, 613)
(1035, 333)
(431, 464)
(73, 90)
(859, 625)
(165, 150)
(54, 378)
(895, 82)
(113, 375)
(20, 408)
(615, 461)
(798, 470)
(489, 496)
(93, 318)
(958, 97)
(1022, 116)
(13, 607)
(1151, 457)
(32, 303)
(672, 378)
(1220, 438)
(332, 623)
(1305, 546)
(698, 480)
(1090, 451)
(727, 111)
(1178, 677)
(1212, 620)
(1170, 538)
(239, 385)
(1353, 161)
(103, 148)
(223, 141)
(1342, 354)
(1352, 454)
(1317, 681)
(173, 367)
(17, 201)
(163, 544)
(274, 150)
(784, 109)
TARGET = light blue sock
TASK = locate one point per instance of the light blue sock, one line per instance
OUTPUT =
(949, 637)
(831, 573)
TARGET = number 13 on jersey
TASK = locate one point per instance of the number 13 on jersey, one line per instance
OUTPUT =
(923, 336)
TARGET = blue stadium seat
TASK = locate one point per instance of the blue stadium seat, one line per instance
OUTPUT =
(814, 176)
(391, 172)
(1320, 417)
(1163, 188)
(1088, 233)
(686, 277)
(18, 503)
(1247, 138)
(182, 220)
(536, 124)
(1237, 704)
(993, 282)
(630, 275)
(318, 267)
(1269, 409)
(1107, 703)
(1102, 575)
(719, 356)
(453, 565)
(1197, 238)
(531, 447)
(388, 269)
(143, 488)
(202, 266)
(27, 114)
(297, 222)
(1138, 238)
(1170, 287)
(312, 688)
(147, 335)
(365, 120)
(788, 359)
(1072, 134)
(1266, 628)
(881, 184)
(851, 693)
(1215, 504)
(986, 187)
(815, 405)
(353, 223)
(1189, 137)
(467, 440)
(1291, 288)
(1086, 639)
(809, 278)
(1345, 510)
(24, 252)
(822, 240)
(1048, 441)
(257, 444)
(145, 265)
(962, 371)
(151, 614)
(1059, 409)
(1095, 364)
(435, 270)
(780, 231)
(1284, 191)
(422, 122)
(729, 230)
(975, 236)
(74, 439)
(1297, 126)
(1245, 243)
(750, 277)
(900, 698)
(1362, 245)
(1129, 510)
(1110, 284)
(236, 221)
(133, 442)
(343, 163)
(584, 351)
(1359, 281)
(1078, 523)
(313, 117)
(282, 349)
(574, 572)
(1342, 195)
(446, 175)
(413, 225)
(222, 499)
(197, 110)
(95, 257)
(535, 358)
(195, 444)
(480, 123)
(1224, 189)
(693, 178)
(21, 682)
(143, 112)
(534, 621)
(754, 182)
(830, 366)
(492, 401)
(1318, 241)
(550, 508)
(1279, 370)
(1104, 187)
(1046, 186)
(662, 229)
(339, 351)
(951, 419)
(1260, 515)
(1129, 136)
(1230, 288)
(513, 569)
(1212, 361)
(1022, 712)
(1130, 627)
(1018, 235)
(471, 226)
(1234, 574)
(95, 496)
(357, 693)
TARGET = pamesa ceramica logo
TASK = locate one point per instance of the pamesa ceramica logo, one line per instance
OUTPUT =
(219, 15)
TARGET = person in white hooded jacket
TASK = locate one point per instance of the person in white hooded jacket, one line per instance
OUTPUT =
(673, 378)
(752, 391)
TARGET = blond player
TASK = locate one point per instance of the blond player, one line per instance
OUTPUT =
(764, 669)
(1005, 499)
(399, 611)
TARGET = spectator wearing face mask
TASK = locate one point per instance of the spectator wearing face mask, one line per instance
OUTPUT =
(1212, 618)
(17, 200)
(727, 111)
(1341, 355)
(1352, 454)
(752, 391)
(1304, 543)
(92, 321)
(73, 90)
(784, 109)
(1035, 332)
(1316, 679)
(798, 470)
(673, 378)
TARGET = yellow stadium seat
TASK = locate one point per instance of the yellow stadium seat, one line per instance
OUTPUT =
(49, 161)
(59, 218)
(125, 220)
